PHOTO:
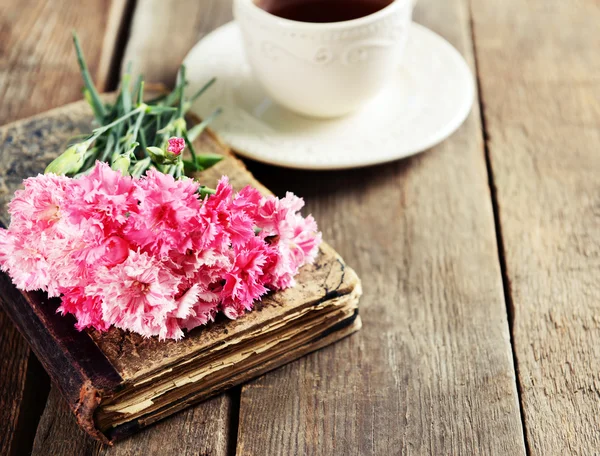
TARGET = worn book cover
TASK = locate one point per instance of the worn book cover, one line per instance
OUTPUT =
(117, 382)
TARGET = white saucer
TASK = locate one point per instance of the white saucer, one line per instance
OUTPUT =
(428, 101)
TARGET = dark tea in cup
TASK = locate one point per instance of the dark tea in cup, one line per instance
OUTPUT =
(322, 11)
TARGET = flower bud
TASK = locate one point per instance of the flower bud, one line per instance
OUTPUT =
(175, 145)
(122, 164)
(157, 154)
(70, 161)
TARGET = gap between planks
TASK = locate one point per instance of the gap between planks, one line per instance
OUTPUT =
(540, 72)
(432, 370)
(498, 227)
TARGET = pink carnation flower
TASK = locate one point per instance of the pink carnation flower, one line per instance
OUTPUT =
(245, 282)
(104, 196)
(79, 252)
(25, 261)
(137, 295)
(248, 200)
(237, 225)
(166, 216)
(38, 206)
(203, 311)
(195, 307)
(147, 255)
(36, 212)
(295, 238)
(87, 309)
(6, 248)
(297, 244)
(274, 211)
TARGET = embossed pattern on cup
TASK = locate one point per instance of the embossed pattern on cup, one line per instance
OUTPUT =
(323, 69)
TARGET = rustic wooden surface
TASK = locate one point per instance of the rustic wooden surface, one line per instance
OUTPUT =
(539, 68)
(199, 430)
(432, 371)
(37, 72)
(181, 24)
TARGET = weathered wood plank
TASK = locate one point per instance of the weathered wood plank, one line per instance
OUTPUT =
(160, 32)
(198, 430)
(540, 78)
(38, 72)
(163, 33)
(431, 372)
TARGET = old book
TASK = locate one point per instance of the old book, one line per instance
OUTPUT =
(118, 382)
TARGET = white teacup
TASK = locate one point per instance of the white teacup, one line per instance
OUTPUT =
(323, 69)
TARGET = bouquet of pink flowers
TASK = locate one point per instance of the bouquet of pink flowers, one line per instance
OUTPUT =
(127, 240)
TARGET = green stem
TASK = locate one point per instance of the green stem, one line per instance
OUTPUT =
(197, 130)
(110, 143)
(181, 89)
(98, 131)
(190, 145)
(143, 142)
(204, 88)
(125, 87)
(97, 104)
(204, 191)
(137, 126)
(140, 167)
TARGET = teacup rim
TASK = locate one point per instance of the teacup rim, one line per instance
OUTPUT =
(327, 25)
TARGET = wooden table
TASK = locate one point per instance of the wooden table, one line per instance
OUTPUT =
(480, 258)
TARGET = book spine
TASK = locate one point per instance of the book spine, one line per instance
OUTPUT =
(73, 361)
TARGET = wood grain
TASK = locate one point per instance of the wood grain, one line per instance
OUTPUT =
(162, 33)
(197, 430)
(431, 371)
(38, 72)
(539, 68)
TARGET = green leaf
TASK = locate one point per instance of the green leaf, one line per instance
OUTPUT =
(139, 89)
(134, 130)
(204, 88)
(157, 110)
(156, 153)
(143, 141)
(137, 126)
(189, 144)
(205, 161)
(155, 150)
(108, 147)
(98, 131)
(140, 167)
(181, 87)
(190, 167)
(125, 89)
(95, 101)
(194, 132)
